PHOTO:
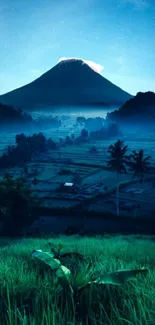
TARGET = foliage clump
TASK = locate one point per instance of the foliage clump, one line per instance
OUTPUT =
(16, 202)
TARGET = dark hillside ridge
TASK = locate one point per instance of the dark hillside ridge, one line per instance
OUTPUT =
(141, 108)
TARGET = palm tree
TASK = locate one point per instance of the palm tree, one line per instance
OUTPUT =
(139, 165)
(118, 162)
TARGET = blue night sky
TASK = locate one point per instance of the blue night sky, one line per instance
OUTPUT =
(116, 34)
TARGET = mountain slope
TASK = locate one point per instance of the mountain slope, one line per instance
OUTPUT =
(140, 108)
(70, 82)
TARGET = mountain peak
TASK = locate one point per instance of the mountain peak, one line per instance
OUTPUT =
(75, 63)
(73, 66)
(71, 82)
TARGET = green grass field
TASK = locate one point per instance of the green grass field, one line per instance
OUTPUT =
(31, 297)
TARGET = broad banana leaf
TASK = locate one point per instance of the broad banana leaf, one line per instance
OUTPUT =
(115, 278)
(64, 274)
(47, 258)
(119, 277)
(63, 271)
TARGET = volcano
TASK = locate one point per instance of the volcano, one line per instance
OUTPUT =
(71, 82)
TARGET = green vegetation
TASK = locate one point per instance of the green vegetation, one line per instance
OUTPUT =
(16, 202)
(25, 149)
(66, 278)
(83, 291)
(139, 164)
(117, 162)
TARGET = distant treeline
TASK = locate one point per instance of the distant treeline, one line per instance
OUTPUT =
(28, 148)
(93, 129)
(13, 119)
(10, 114)
(24, 149)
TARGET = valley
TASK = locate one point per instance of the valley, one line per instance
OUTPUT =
(57, 167)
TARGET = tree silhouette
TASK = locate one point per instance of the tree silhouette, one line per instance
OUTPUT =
(118, 161)
(81, 121)
(24, 150)
(84, 134)
(139, 165)
(16, 201)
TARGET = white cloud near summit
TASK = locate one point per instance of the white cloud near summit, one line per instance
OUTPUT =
(93, 65)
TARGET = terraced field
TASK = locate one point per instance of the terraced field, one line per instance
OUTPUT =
(91, 176)
(50, 173)
(82, 154)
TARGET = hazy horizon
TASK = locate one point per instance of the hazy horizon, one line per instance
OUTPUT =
(86, 112)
